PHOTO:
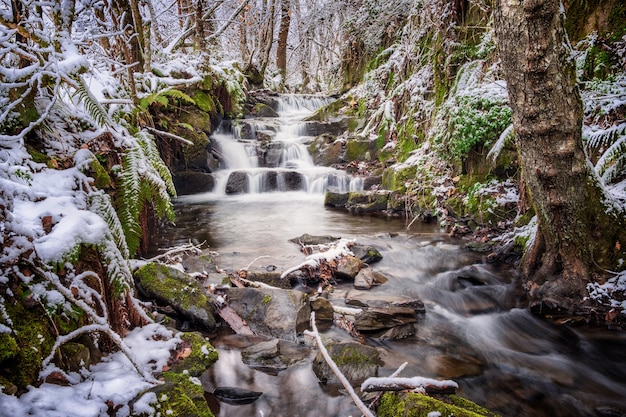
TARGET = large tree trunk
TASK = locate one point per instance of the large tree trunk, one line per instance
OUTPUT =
(574, 231)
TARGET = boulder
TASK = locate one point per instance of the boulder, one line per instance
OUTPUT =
(323, 309)
(291, 181)
(263, 110)
(272, 312)
(367, 254)
(367, 278)
(336, 199)
(191, 182)
(348, 267)
(356, 361)
(374, 319)
(307, 239)
(169, 286)
(364, 202)
(237, 183)
(265, 357)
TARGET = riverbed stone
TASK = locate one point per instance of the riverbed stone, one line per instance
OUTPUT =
(307, 239)
(323, 309)
(367, 253)
(292, 181)
(348, 267)
(375, 319)
(413, 404)
(356, 361)
(171, 287)
(263, 110)
(336, 199)
(237, 183)
(191, 182)
(367, 278)
(367, 202)
(272, 312)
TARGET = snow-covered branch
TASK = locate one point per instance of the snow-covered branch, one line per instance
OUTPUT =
(333, 252)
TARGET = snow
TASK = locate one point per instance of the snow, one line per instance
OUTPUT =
(416, 381)
(113, 380)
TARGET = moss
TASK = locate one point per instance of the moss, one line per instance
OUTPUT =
(102, 179)
(267, 299)
(33, 335)
(8, 347)
(407, 139)
(396, 179)
(201, 356)
(418, 405)
(181, 397)
(350, 356)
(204, 101)
(356, 150)
(37, 156)
(324, 113)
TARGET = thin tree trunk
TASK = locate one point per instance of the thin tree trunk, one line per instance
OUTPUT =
(283, 32)
(574, 231)
(267, 36)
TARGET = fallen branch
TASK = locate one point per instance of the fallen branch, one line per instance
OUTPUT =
(417, 384)
(189, 247)
(393, 375)
(344, 381)
(334, 252)
(168, 135)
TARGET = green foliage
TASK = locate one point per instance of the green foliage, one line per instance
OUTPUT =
(472, 122)
(144, 179)
(162, 97)
(91, 104)
(419, 405)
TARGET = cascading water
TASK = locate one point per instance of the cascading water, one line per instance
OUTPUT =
(270, 154)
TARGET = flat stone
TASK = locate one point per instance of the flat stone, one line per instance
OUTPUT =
(367, 278)
(348, 267)
(374, 319)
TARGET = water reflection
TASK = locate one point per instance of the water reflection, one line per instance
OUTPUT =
(476, 329)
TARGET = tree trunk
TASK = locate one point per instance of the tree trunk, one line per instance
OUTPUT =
(283, 32)
(267, 36)
(574, 232)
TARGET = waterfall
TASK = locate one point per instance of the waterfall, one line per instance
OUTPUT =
(270, 154)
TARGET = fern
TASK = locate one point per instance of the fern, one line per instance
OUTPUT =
(145, 178)
(162, 96)
(612, 162)
(90, 103)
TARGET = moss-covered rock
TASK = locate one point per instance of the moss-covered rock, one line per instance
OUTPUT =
(367, 202)
(356, 361)
(358, 150)
(171, 287)
(395, 178)
(418, 405)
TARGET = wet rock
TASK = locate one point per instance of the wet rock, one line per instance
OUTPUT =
(272, 312)
(348, 267)
(374, 319)
(263, 110)
(293, 181)
(307, 239)
(191, 182)
(372, 182)
(452, 367)
(368, 300)
(237, 183)
(270, 278)
(363, 202)
(265, 357)
(356, 361)
(368, 254)
(367, 278)
(265, 135)
(335, 199)
(326, 150)
(170, 287)
(323, 309)
(396, 333)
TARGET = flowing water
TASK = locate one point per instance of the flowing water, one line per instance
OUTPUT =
(476, 329)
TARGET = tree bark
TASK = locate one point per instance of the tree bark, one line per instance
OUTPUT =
(575, 233)
(283, 32)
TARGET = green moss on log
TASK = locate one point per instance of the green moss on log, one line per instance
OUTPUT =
(418, 405)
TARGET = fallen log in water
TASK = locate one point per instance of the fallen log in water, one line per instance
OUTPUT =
(417, 384)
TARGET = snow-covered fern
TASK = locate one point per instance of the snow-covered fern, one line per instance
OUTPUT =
(144, 178)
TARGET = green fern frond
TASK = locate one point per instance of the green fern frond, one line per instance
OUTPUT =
(91, 104)
(610, 146)
(179, 95)
(145, 179)
(162, 96)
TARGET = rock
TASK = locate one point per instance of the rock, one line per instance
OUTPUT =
(367, 254)
(397, 332)
(265, 357)
(265, 135)
(168, 286)
(237, 183)
(372, 182)
(450, 367)
(356, 361)
(367, 278)
(307, 239)
(191, 182)
(270, 278)
(197, 119)
(335, 199)
(263, 110)
(374, 319)
(272, 312)
(326, 150)
(348, 267)
(383, 301)
(292, 181)
(75, 356)
(418, 404)
(364, 202)
(323, 309)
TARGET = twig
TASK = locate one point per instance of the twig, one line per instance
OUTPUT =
(344, 381)
(393, 375)
(168, 135)
(178, 249)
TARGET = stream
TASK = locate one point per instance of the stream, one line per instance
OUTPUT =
(476, 329)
